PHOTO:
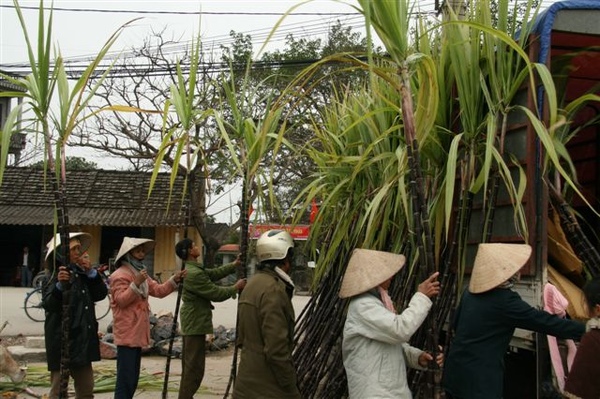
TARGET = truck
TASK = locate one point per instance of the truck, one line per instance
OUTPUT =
(566, 38)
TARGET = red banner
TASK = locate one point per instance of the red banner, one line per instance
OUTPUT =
(298, 232)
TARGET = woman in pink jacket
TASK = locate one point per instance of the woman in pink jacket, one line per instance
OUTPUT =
(130, 288)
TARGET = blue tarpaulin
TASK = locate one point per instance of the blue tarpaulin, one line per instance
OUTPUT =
(544, 23)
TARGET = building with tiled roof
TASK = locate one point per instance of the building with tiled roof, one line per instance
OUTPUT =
(108, 204)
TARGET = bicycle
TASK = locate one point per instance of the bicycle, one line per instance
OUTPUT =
(40, 279)
(33, 305)
(35, 311)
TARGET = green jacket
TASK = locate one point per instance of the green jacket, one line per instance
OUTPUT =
(199, 290)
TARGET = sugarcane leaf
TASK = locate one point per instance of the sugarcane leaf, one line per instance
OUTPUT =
(549, 90)
(552, 154)
(6, 133)
(490, 139)
(451, 168)
(578, 103)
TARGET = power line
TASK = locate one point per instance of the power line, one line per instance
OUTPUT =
(209, 44)
(421, 5)
(298, 29)
(146, 70)
(316, 27)
(199, 13)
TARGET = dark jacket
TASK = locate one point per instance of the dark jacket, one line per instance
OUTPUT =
(266, 337)
(584, 377)
(484, 326)
(199, 290)
(32, 262)
(83, 334)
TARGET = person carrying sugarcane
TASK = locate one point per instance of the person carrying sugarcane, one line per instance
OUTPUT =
(130, 288)
(486, 319)
(199, 290)
(86, 287)
(266, 322)
(375, 347)
(584, 377)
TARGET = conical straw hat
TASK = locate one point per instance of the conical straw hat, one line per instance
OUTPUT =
(85, 240)
(130, 242)
(496, 263)
(367, 269)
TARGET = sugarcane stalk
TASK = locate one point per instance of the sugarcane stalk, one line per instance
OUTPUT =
(420, 211)
(492, 195)
(186, 223)
(424, 242)
(302, 358)
(320, 365)
(63, 221)
(494, 183)
(241, 272)
(449, 292)
(323, 323)
(448, 281)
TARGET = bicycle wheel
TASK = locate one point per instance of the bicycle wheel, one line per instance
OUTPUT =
(103, 308)
(33, 305)
(40, 279)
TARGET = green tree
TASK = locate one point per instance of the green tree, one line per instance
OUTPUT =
(137, 137)
(71, 163)
(279, 74)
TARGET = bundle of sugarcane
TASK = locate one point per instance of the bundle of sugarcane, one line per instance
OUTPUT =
(318, 343)
(576, 237)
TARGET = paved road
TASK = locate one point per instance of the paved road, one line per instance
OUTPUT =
(12, 301)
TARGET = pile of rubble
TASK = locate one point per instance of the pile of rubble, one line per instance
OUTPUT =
(160, 334)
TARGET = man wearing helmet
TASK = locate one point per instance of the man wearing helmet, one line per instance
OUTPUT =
(266, 323)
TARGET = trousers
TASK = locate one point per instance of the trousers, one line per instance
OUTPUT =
(193, 361)
(83, 380)
(129, 361)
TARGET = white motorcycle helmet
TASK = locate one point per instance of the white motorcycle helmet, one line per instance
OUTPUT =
(273, 245)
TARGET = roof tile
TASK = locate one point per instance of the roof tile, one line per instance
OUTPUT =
(94, 197)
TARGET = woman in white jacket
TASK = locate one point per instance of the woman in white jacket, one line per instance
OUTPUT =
(375, 346)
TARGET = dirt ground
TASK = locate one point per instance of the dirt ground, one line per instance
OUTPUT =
(214, 384)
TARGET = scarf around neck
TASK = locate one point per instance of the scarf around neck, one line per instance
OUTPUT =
(137, 264)
(289, 284)
(593, 324)
(143, 289)
(284, 276)
(386, 299)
